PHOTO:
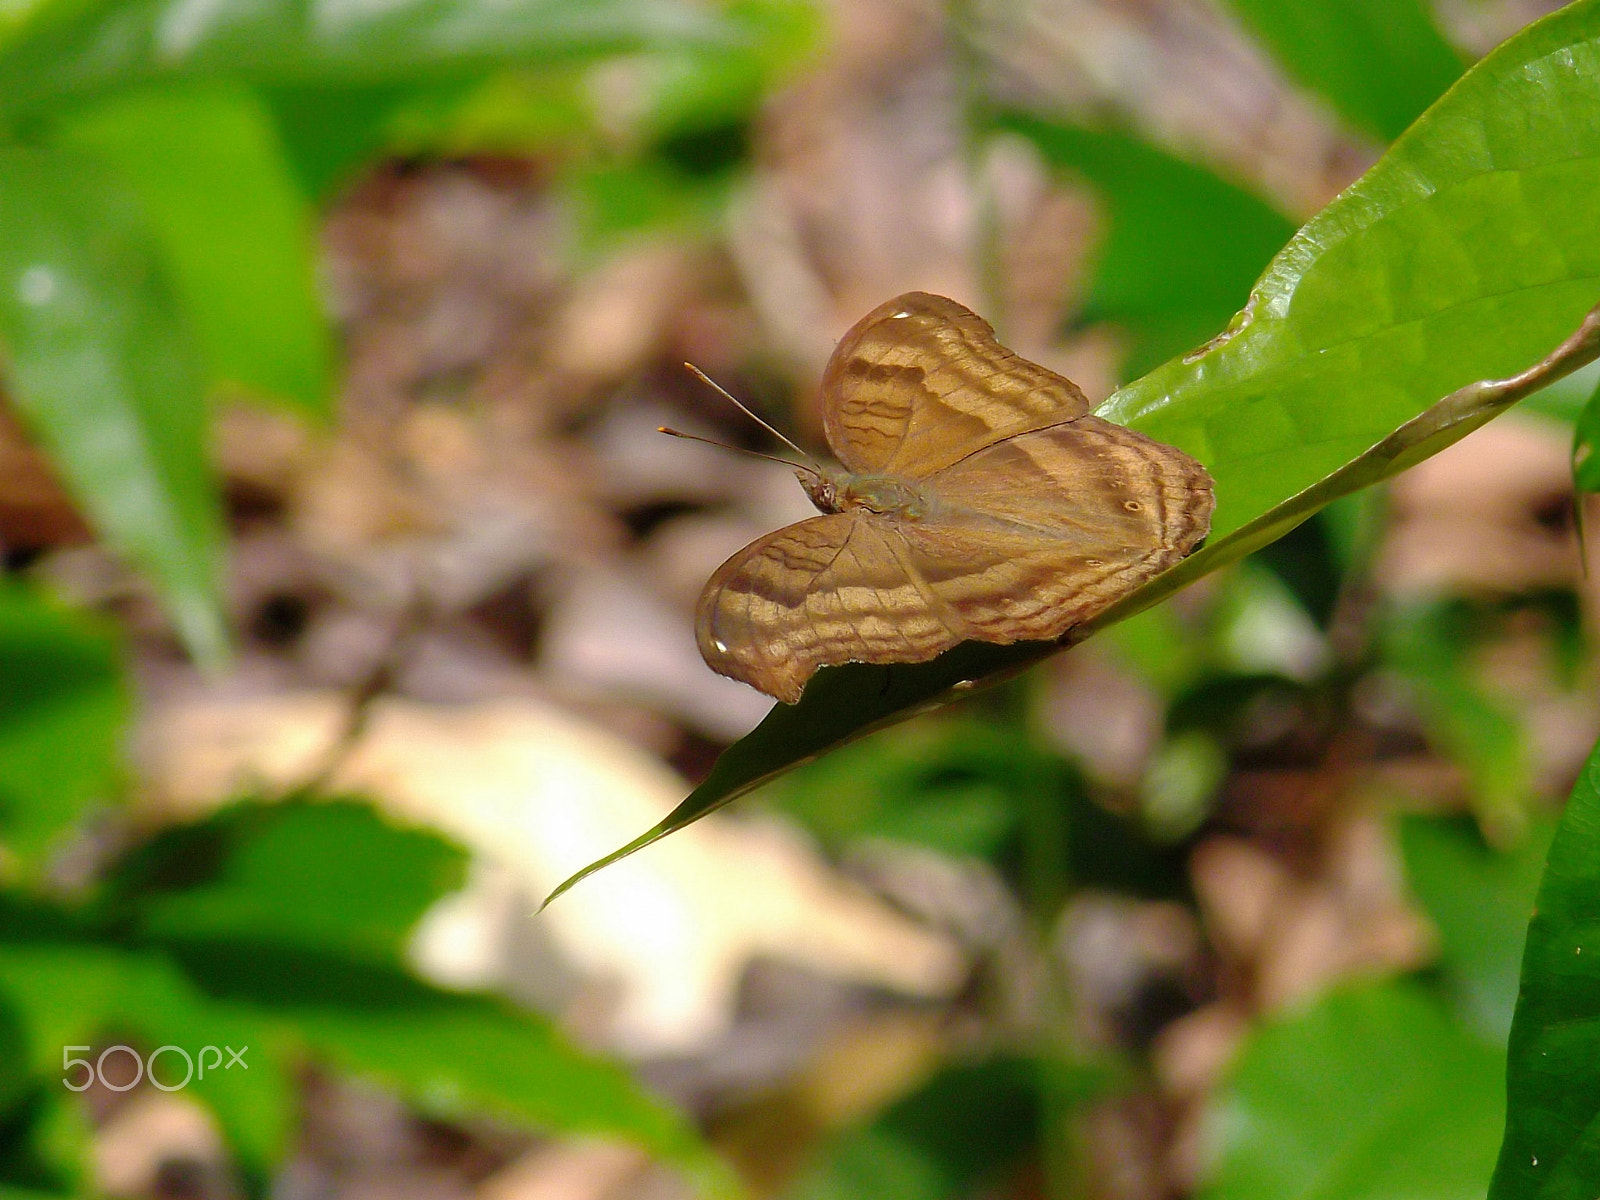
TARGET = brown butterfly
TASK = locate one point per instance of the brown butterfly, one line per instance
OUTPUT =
(978, 501)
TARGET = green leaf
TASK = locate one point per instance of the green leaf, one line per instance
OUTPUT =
(80, 993)
(1378, 62)
(325, 875)
(45, 1149)
(453, 1055)
(102, 370)
(1183, 245)
(78, 49)
(1432, 294)
(1466, 254)
(1553, 1063)
(330, 130)
(464, 1056)
(1428, 644)
(617, 199)
(1479, 900)
(688, 91)
(63, 707)
(960, 1131)
(703, 85)
(289, 923)
(208, 169)
(1368, 1094)
(1585, 441)
(15, 1079)
(947, 785)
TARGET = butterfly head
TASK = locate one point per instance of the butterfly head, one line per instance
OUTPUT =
(823, 486)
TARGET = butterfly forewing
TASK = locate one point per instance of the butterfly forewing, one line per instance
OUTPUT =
(920, 382)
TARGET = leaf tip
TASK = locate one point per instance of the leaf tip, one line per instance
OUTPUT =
(639, 843)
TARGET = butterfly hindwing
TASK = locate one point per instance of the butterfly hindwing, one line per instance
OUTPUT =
(1089, 487)
(826, 590)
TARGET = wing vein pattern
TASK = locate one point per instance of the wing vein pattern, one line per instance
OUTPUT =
(1028, 515)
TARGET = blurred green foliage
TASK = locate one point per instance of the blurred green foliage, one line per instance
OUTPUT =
(61, 688)
(1379, 63)
(281, 927)
(927, 1145)
(1183, 245)
(161, 163)
(1367, 1092)
(161, 168)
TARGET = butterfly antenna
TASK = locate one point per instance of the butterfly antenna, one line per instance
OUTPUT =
(810, 463)
(694, 437)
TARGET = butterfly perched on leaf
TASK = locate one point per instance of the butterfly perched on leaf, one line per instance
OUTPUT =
(977, 499)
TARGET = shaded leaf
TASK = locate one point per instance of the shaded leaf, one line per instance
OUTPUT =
(15, 1079)
(328, 131)
(962, 1129)
(1427, 644)
(1183, 245)
(452, 1054)
(78, 993)
(97, 45)
(950, 786)
(208, 170)
(1378, 62)
(63, 706)
(617, 199)
(966, 787)
(324, 875)
(1585, 441)
(1468, 253)
(1367, 1094)
(103, 371)
(1551, 1148)
(1479, 900)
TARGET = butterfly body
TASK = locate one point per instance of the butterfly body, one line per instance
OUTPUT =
(888, 495)
(977, 499)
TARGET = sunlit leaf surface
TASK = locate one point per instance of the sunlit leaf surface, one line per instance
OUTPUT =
(107, 376)
(1370, 1093)
(82, 48)
(206, 165)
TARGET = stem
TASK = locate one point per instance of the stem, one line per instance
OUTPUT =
(969, 70)
(1046, 883)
